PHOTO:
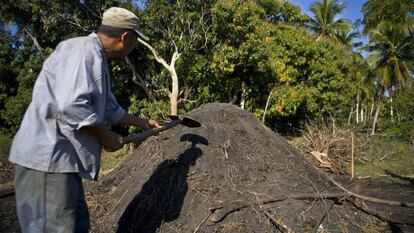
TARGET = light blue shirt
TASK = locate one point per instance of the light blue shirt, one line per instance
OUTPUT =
(73, 90)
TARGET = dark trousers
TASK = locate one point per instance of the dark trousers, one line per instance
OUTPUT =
(50, 202)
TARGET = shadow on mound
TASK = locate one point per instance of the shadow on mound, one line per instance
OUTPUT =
(162, 196)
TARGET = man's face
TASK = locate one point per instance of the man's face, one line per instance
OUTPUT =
(130, 42)
(126, 44)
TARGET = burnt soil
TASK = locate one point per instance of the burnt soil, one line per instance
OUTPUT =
(183, 179)
(216, 178)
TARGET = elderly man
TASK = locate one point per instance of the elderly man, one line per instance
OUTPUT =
(63, 130)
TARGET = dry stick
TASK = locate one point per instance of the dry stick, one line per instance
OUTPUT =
(303, 196)
(6, 193)
(378, 215)
(204, 220)
(219, 213)
(352, 156)
(372, 199)
(278, 223)
(316, 228)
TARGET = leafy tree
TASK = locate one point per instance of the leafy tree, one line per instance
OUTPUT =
(391, 11)
(8, 69)
(39, 30)
(324, 20)
(16, 106)
(47, 26)
(312, 77)
(282, 12)
(181, 31)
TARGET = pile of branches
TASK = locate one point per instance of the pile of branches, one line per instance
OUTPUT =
(331, 146)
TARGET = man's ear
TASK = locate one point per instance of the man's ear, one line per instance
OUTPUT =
(124, 36)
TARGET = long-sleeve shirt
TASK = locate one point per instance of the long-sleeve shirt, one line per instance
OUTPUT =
(72, 91)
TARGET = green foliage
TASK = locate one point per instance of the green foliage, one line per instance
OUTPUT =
(325, 22)
(8, 69)
(51, 21)
(404, 104)
(392, 11)
(231, 50)
(385, 155)
(402, 130)
(146, 109)
(240, 62)
(312, 76)
(256, 57)
(403, 127)
(282, 11)
(392, 51)
(143, 108)
(15, 106)
(5, 143)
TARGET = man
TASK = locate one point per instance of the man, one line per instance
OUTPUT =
(63, 130)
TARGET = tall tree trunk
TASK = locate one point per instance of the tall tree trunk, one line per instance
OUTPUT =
(242, 100)
(374, 123)
(267, 104)
(174, 92)
(366, 115)
(372, 109)
(362, 113)
(392, 111)
(357, 110)
(350, 115)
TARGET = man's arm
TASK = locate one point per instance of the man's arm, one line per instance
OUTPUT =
(109, 139)
(113, 141)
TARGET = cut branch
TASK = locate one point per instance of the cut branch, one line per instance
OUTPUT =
(372, 199)
(34, 39)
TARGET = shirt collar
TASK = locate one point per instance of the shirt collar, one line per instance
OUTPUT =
(96, 37)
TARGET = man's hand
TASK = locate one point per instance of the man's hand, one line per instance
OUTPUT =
(151, 124)
(138, 122)
(112, 141)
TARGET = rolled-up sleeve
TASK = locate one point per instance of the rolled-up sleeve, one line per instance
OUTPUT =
(113, 112)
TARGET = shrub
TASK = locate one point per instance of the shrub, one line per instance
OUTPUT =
(5, 143)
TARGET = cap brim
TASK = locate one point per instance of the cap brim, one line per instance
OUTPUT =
(141, 34)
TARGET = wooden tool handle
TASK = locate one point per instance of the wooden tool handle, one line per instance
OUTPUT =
(147, 133)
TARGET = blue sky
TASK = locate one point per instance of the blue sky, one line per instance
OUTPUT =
(352, 11)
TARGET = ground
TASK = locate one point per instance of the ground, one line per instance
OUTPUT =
(180, 180)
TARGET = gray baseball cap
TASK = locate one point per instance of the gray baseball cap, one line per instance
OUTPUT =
(122, 18)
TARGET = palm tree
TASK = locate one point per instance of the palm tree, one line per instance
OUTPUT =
(392, 11)
(347, 37)
(393, 56)
(393, 53)
(324, 21)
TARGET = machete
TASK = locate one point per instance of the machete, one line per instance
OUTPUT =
(175, 120)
